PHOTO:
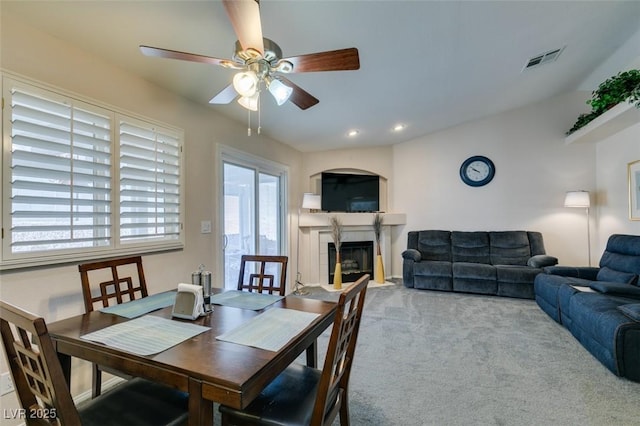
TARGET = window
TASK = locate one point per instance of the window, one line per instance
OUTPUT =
(81, 181)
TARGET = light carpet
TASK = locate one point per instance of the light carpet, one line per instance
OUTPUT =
(438, 358)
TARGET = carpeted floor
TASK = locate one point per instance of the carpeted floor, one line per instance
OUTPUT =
(437, 358)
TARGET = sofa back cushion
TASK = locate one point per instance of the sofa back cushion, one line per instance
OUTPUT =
(607, 274)
(470, 247)
(432, 245)
(622, 254)
(536, 242)
(509, 248)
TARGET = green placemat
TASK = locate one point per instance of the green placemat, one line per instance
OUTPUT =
(245, 299)
(138, 307)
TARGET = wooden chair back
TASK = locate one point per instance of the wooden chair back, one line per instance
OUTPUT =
(37, 374)
(264, 274)
(334, 381)
(115, 281)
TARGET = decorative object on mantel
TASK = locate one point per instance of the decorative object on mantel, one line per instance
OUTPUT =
(581, 199)
(336, 235)
(623, 87)
(377, 229)
(633, 171)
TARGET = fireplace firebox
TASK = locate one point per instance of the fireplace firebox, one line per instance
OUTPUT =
(356, 258)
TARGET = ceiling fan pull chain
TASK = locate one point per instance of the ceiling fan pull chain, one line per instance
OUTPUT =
(249, 120)
(259, 113)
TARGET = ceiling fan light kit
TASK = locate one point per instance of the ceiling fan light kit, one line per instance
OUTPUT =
(259, 61)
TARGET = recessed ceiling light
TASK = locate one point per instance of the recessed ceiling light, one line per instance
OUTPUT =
(353, 133)
(399, 127)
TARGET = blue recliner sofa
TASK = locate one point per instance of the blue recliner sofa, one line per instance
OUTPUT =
(600, 306)
(502, 263)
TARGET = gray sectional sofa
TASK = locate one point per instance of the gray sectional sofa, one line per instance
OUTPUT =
(600, 306)
(502, 263)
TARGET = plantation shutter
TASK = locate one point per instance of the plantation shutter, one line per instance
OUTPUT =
(60, 173)
(149, 183)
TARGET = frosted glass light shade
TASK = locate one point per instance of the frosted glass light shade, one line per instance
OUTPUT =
(311, 201)
(577, 199)
(280, 91)
(246, 83)
(250, 102)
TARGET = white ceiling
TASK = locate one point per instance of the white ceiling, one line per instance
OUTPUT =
(427, 64)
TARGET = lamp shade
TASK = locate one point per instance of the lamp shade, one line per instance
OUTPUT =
(246, 83)
(311, 201)
(577, 199)
(280, 91)
(250, 102)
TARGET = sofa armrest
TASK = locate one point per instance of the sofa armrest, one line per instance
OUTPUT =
(632, 311)
(542, 260)
(412, 254)
(616, 289)
(584, 272)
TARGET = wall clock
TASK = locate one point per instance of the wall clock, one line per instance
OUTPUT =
(477, 170)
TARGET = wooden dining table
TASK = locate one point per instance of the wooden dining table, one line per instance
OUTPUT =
(210, 370)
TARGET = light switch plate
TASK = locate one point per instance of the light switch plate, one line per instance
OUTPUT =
(205, 227)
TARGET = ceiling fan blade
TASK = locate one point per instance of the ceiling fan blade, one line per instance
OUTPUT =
(174, 54)
(245, 18)
(299, 96)
(333, 60)
(225, 96)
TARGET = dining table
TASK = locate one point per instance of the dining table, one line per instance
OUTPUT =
(206, 366)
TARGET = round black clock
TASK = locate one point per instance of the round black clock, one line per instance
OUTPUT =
(477, 170)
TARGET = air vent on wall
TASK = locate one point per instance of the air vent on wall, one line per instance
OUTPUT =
(543, 58)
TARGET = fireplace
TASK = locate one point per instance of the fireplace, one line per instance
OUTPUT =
(356, 258)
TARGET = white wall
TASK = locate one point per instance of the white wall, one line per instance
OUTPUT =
(54, 292)
(613, 154)
(534, 169)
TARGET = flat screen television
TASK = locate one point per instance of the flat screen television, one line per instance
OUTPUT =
(342, 192)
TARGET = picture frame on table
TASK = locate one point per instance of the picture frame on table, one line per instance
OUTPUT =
(634, 189)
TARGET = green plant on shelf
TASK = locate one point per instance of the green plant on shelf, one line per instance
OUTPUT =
(622, 87)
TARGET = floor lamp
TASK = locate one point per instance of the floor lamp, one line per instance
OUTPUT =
(312, 202)
(580, 199)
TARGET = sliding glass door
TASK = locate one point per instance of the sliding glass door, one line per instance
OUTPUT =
(253, 214)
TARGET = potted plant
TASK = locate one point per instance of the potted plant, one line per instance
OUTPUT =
(623, 87)
(377, 230)
(336, 235)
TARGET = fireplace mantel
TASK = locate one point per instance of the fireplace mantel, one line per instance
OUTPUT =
(311, 220)
(316, 231)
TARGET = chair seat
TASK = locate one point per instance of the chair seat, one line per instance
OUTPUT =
(287, 400)
(154, 405)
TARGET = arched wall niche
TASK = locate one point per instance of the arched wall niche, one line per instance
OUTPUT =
(315, 183)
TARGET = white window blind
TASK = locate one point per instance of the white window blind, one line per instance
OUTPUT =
(60, 174)
(149, 183)
(83, 181)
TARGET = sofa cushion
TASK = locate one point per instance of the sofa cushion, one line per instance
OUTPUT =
(607, 274)
(631, 310)
(622, 253)
(509, 248)
(470, 247)
(432, 268)
(434, 245)
(541, 261)
(616, 289)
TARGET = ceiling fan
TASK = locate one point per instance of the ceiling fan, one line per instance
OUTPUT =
(260, 62)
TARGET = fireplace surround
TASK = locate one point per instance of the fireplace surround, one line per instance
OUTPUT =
(316, 236)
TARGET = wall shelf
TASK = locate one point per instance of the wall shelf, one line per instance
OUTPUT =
(611, 122)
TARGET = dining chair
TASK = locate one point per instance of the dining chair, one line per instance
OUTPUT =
(304, 395)
(265, 274)
(43, 392)
(106, 283)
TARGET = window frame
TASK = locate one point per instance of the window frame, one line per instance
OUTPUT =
(117, 247)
